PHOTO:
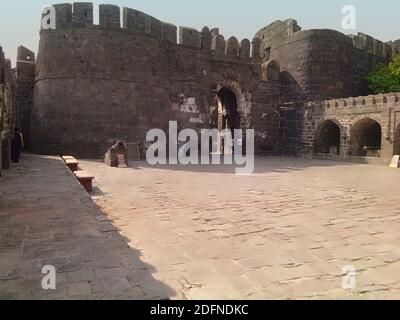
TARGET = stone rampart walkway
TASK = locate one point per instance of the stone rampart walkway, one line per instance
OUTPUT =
(47, 218)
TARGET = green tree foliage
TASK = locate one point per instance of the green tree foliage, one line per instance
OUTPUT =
(385, 78)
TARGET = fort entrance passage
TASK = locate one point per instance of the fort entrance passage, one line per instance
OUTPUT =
(228, 115)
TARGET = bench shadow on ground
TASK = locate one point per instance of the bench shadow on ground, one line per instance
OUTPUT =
(51, 178)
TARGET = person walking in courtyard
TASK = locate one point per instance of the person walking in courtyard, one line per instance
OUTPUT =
(17, 145)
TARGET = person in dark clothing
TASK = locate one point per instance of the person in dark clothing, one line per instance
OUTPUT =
(17, 144)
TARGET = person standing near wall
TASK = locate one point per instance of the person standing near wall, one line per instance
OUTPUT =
(17, 145)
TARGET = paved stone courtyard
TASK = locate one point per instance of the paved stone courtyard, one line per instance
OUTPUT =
(200, 232)
(285, 232)
(47, 218)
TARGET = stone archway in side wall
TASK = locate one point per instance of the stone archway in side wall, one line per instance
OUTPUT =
(366, 137)
(328, 136)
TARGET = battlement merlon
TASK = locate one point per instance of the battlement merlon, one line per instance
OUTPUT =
(2, 62)
(189, 37)
(82, 14)
(25, 55)
(395, 46)
(135, 20)
(2, 56)
(25, 67)
(109, 16)
(63, 15)
(169, 31)
(276, 31)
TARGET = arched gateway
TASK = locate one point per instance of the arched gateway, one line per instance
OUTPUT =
(366, 138)
(327, 138)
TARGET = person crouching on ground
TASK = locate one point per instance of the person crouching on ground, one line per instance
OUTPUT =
(17, 144)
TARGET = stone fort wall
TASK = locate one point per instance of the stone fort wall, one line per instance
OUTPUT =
(16, 100)
(317, 65)
(8, 112)
(321, 64)
(95, 84)
(346, 113)
(98, 83)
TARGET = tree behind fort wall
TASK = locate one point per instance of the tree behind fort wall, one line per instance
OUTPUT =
(385, 78)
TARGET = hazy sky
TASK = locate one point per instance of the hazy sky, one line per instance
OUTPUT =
(20, 19)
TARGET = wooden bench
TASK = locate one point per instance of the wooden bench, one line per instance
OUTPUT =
(65, 158)
(72, 164)
(86, 179)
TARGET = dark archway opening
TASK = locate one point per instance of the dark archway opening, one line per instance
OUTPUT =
(228, 115)
(366, 136)
(225, 117)
(396, 143)
(327, 139)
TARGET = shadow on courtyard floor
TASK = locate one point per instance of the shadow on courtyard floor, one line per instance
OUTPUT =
(47, 218)
(261, 165)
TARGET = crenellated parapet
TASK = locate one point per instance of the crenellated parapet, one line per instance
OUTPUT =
(80, 15)
(372, 46)
(365, 126)
(232, 48)
(279, 32)
(382, 100)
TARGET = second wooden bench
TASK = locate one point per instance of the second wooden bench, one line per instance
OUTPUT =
(86, 179)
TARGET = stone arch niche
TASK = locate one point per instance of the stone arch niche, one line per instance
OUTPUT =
(396, 141)
(271, 71)
(366, 138)
(327, 138)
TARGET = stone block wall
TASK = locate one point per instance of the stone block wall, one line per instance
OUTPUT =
(346, 113)
(8, 109)
(320, 64)
(25, 76)
(97, 84)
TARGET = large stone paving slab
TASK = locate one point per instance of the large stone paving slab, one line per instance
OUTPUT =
(285, 232)
(47, 218)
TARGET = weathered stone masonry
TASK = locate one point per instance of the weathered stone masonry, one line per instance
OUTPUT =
(95, 84)
(7, 109)
(355, 118)
(92, 85)
(317, 65)
(16, 99)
